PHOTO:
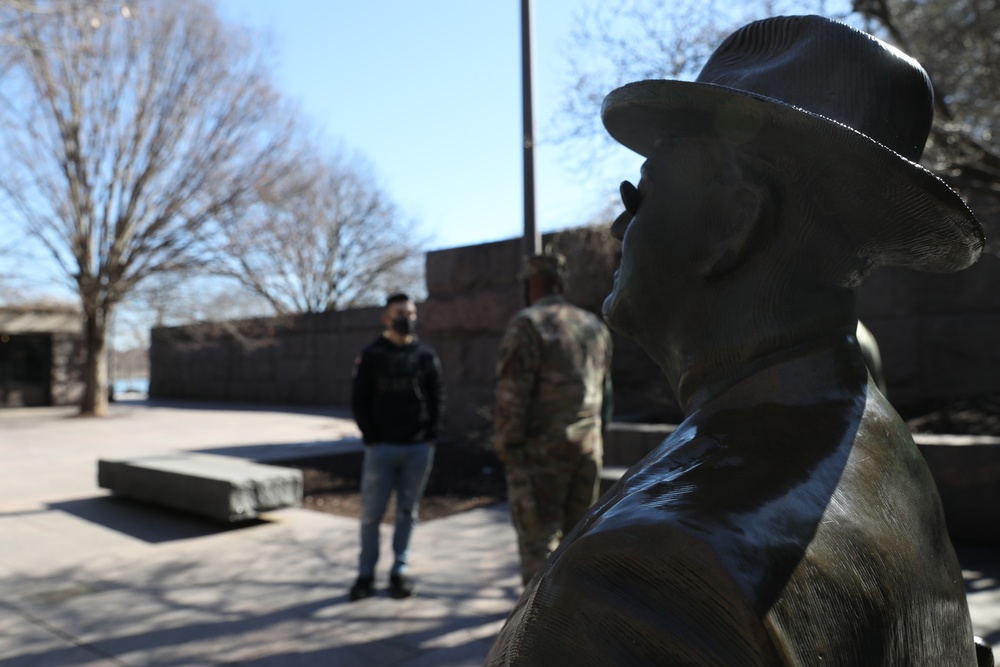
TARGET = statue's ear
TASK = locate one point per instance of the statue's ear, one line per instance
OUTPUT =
(737, 232)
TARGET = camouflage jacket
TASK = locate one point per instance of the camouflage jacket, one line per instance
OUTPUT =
(552, 374)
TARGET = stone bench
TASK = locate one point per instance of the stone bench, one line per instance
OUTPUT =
(966, 471)
(626, 443)
(221, 488)
(610, 475)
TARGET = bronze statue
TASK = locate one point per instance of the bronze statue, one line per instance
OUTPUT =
(790, 519)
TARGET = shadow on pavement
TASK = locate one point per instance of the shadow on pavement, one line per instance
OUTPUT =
(979, 565)
(179, 404)
(981, 571)
(144, 521)
(264, 452)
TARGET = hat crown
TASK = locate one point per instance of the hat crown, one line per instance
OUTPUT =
(830, 69)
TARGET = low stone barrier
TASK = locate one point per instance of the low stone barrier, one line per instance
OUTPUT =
(221, 488)
(627, 443)
(966, 470)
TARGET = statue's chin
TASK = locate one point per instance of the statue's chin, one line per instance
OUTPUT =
(613, 312)
(624, 308)
(608, 305)
(611, 299)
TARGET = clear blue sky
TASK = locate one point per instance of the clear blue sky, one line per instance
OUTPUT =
(430, 93)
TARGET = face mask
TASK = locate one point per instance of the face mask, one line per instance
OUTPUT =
(403, 325)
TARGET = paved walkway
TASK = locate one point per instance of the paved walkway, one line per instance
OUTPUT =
(91, 580)
(86, 579)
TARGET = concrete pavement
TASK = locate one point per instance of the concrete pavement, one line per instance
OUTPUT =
(87, 579)
(90, 580)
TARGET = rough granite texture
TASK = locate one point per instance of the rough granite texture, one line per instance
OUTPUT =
(221, 488)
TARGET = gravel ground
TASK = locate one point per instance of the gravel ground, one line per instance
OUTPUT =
(463, 477)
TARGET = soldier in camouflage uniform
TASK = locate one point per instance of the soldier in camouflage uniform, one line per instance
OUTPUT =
(553, 377)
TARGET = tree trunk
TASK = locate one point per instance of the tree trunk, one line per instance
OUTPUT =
(95, 371)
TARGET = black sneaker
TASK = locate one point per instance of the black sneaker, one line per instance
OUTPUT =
(400, 586)
(362, 589)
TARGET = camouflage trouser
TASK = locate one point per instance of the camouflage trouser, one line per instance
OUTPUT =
(547, 498)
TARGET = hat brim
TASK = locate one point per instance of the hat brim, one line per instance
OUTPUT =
(906, 216)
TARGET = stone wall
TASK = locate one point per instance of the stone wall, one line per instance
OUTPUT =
(52, 372)
(472, 293)
(935, 332)
(305, 359)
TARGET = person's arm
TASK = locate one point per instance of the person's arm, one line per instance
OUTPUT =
(517, 371)
(362, 395)
(434, 381)
(608, 402)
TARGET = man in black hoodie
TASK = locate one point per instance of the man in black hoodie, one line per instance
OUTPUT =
(396, 396)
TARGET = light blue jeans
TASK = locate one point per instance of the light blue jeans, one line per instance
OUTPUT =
(387, 467)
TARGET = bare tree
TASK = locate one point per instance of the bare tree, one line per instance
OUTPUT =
(172, 300)
(955, 40)
(125, 131)
(612, 44)
(958, 42)
(323, 237)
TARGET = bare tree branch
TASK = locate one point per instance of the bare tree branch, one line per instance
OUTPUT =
(957, 41)
(126, 131)
(321, 237)
(612, 44)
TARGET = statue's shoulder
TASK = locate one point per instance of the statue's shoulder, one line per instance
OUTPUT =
(652, 591)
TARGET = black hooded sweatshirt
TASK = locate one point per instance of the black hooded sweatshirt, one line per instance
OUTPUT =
(397, 393)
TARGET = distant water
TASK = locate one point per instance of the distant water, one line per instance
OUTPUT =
(131, 386)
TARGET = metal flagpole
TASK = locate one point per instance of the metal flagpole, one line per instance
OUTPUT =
(532, 242)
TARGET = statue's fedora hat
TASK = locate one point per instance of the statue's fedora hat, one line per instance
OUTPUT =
(855, 111)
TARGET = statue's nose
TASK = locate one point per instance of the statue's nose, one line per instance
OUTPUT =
(631, 199)
(620, 224)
